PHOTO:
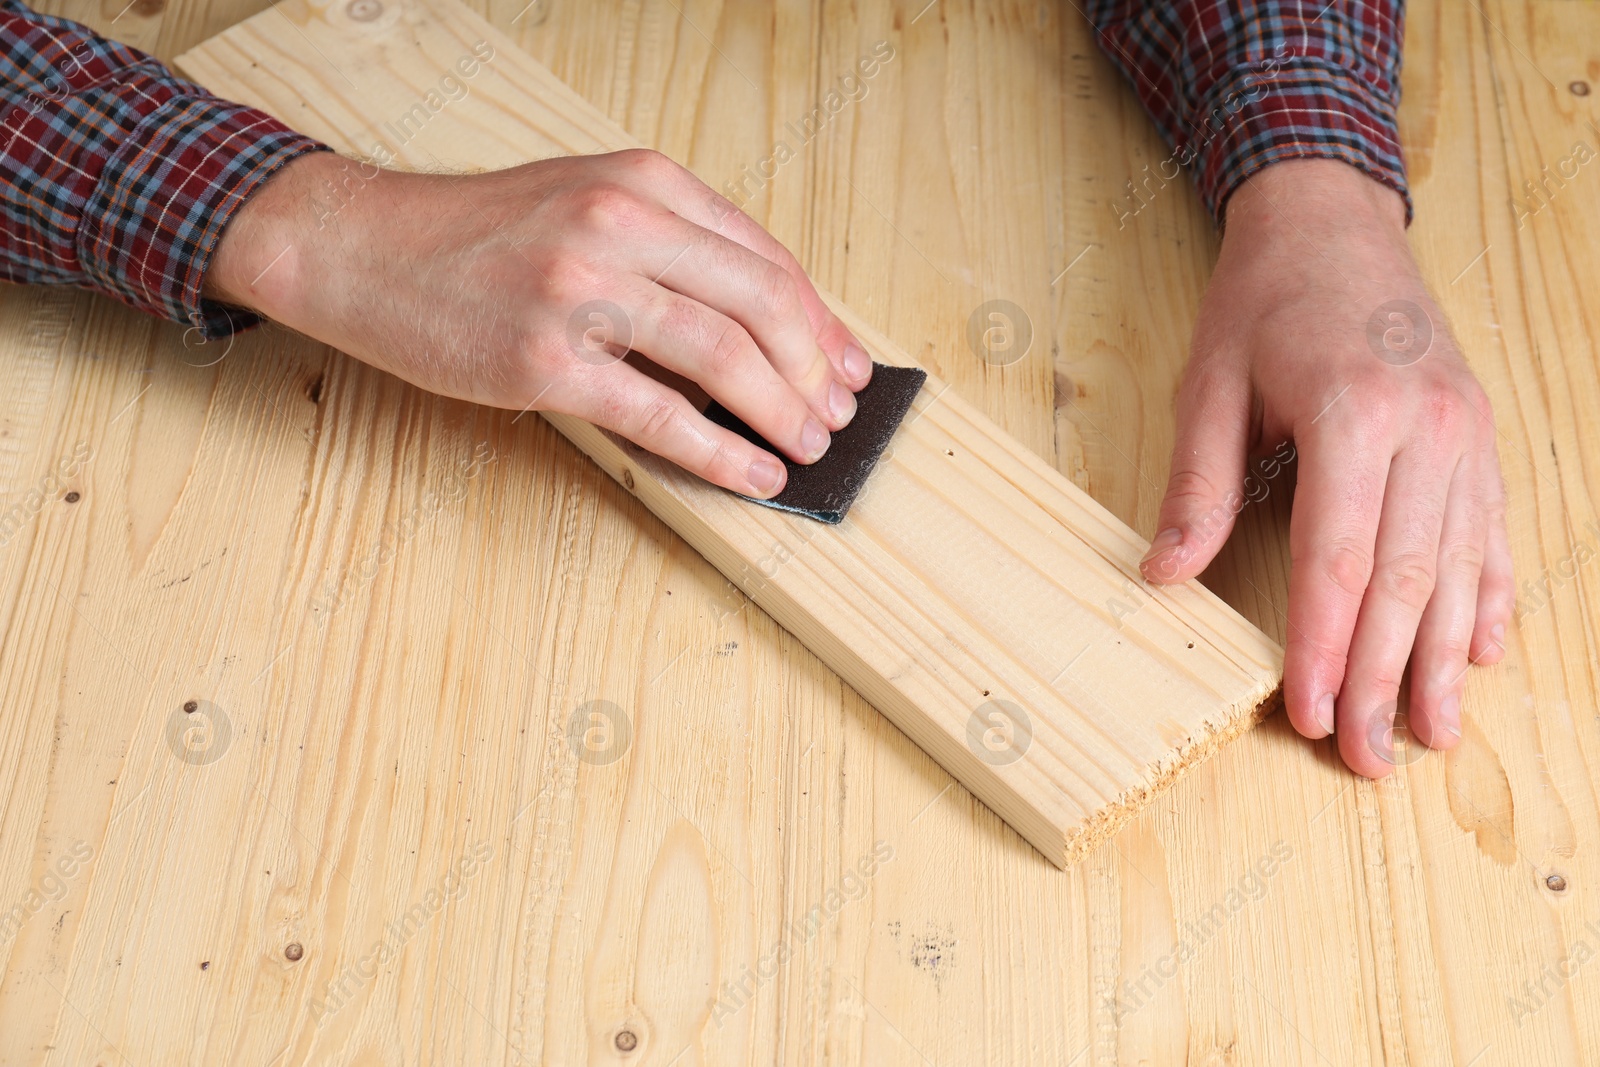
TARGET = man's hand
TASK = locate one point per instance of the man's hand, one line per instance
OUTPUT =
(525, 288)
(1318, 328)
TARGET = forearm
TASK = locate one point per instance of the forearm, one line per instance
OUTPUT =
(118, 176)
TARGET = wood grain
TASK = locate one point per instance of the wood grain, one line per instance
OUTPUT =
(1413, 922)
(964, 587)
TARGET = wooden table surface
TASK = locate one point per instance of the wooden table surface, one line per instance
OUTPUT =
(290, 653)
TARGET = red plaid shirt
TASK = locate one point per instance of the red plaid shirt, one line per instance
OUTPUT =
(1235, 85)
(118, 176)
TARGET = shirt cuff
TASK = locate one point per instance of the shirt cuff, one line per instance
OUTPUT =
(1308, 109)
(166, 194)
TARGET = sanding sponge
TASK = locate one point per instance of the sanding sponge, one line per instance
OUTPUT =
(824, 490)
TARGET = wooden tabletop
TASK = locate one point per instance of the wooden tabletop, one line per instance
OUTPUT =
(291, 654)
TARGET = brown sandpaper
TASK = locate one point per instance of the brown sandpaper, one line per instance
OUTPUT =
(824, 490)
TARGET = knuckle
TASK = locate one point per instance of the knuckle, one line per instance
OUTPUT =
(1379, 411)
(1453, 650)
(1443, 415)
(604, 206)
(647, 162)
(1362, 418)
(777, 297)
(655, 419)
(1191, 484)
(1348, 566)
(1206, 508)
(1476, 401)
(1408, 579)
(728, 349)
(1385, 675)
(1462, 559)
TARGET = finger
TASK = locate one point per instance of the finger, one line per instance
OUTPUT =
(1404, 577)
(847, 354)
(713, 350)
(693, 200)
(1204, 491)
(1439, 660)
(763, 299)
(621, 399)
(1332, 530)
(1497, 590)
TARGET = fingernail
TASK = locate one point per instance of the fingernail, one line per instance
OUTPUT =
(1325, 712)
(857, 363)
(766, 476)
(1498, 634)
(1165, 541)
(813, 440)
(1450, 715)
(841, 403)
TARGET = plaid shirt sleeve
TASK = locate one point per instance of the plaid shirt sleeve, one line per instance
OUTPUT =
(118, 176)
(1236, 85)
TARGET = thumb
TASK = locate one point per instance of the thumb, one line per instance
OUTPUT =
(1204, 493)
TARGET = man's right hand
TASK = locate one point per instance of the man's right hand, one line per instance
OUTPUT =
(524, 288)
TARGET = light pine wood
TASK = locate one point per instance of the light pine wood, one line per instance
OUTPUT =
(425, 717)
(969, 580)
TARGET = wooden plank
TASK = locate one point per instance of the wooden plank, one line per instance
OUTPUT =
(1413, 923)
(972, 595)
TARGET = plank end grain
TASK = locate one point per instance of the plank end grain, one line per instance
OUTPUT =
(1190, 753)
(983, 603)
